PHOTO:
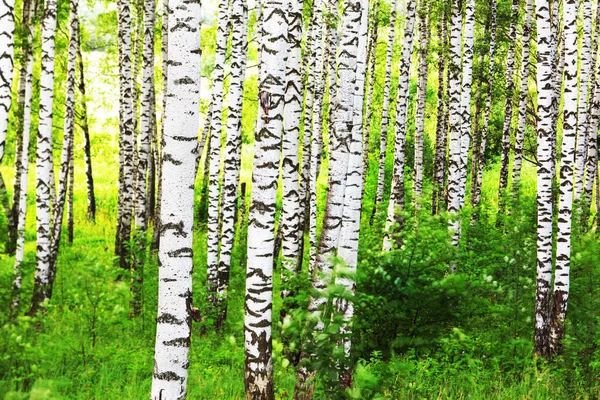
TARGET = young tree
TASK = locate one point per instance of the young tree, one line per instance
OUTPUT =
(87, 147)
(477, 172)
(520, 135)
(7, 27)
(126, 136)
(441, 130)
(258, 371)
(570, 128)
(544, 179)
(582, 108)
(41, 289)
(424, 10)
(174, 321)
(397, 195)
(233, 149)
(214, 163)
(384, 108)
(147, 124)
(508, 109)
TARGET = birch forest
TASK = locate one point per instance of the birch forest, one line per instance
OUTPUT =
(299, 199)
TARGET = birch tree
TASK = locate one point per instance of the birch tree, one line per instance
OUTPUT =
(174, 321)
(147, 124)
(397, 195)
(592, 117)
(567, 161)
(477, 172)
(520, 135)
(233, 149)
(41, 289)
(508, 108)
(421, 99)
(544, 176)
(7, 27)
(258, 371)
(126, 136)
(214, 161)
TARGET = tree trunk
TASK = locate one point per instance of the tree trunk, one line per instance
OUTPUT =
(385, 110)
(441, 130)
(87, 148)
(126, 137)
(70, 208)
(233, 149)
(582, 107)
(41, 288)
(520, 135)
(147, 123)
(421, 100)
(396, 202)
(508, 108)
(258, 369)
(544, 180)
(174, 322)
(7, 28)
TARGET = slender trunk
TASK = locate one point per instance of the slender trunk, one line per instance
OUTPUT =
(441, 130)
(544, 180)
(126, 137)
(147, 123)
(508, 108)
(70, 209)
(258, 368)
(233, 149)
(174, 322)
(7, 28)
(582, 107)
(421, 99)
(385, 110)
(87, 149)
(23, 173)
(212, 252)
(41, 288)
(396, 202)
(520, 135)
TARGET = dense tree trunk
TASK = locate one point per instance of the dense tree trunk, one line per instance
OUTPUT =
(479, 151)
(87, 147)
(126, 137)
(421, 99)
(582, 107)
(147, 123)
(7, 28)
(258, 371)
(22, 172)
(567, 161)
(544, 180)
(214, 162)
(396, 202)
(508, 109)
(174, 322)
(520, 135)
(41, 288)
(233, 148)
(385, 109)
(441, 130)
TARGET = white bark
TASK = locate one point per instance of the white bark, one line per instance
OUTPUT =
(173, 325)
(7, 27)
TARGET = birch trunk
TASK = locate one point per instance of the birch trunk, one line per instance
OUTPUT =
(520, 135)
(212, 262)
(41, 289)
(508, 108)
(544, 180)
(174, 322)
(258, 369)
(396, 202)
(7, 28)
(233, 149)
(591, 123)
